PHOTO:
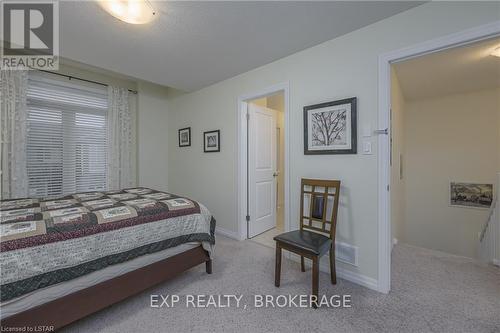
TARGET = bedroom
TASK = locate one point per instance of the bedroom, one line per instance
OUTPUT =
(172, 129)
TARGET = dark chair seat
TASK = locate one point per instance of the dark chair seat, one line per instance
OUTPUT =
(306, 240)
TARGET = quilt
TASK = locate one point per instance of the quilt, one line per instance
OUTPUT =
(48, 241)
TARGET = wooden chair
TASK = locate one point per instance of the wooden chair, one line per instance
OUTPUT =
(317, 229)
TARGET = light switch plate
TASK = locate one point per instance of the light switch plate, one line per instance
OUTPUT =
(367, 147)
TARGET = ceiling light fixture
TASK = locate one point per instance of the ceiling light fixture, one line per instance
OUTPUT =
(130, 11)
(496, 52)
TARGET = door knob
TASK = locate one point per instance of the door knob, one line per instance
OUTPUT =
(275, 174)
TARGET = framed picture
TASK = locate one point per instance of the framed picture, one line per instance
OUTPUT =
(185, 137)
(471, 195)
(331, 128)
(211, 141)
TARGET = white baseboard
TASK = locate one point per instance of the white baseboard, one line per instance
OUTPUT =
(345, 274)
(227, 233)
(357, 278)
(342, 273)
(394, 243)
(496, 262)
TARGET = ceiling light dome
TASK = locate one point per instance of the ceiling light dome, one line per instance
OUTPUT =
(130, 11)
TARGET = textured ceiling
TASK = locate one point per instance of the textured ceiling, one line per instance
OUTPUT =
(458, 70)
(194, 44)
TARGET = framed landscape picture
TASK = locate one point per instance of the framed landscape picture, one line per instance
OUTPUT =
(185, 137)
(471, 195)
(331, 128)
(211, 141)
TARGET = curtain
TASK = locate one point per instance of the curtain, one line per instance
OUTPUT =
(120, 161)
(14, 84)
(132, 102)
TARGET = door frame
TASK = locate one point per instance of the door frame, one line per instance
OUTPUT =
(385, 60)
(241, 154)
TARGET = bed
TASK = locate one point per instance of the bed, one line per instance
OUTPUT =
(63, 259)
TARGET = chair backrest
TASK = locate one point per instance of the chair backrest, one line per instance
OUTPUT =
(319, 203)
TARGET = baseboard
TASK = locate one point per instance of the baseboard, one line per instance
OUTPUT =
(227, 233)
(496, 262)
(394, 243)
(357, 278)
(344, 274)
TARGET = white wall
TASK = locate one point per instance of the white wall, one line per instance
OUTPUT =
(450, 138)
(340, 68)
(152, 137)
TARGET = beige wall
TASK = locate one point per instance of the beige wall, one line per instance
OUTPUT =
(451, 138)
(498, 189)
(498, 163)
(277, 103)
(260, 102)
(344, 67)
(397, 156)
(152, 137)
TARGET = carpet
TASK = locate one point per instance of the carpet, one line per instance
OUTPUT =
(431, 292)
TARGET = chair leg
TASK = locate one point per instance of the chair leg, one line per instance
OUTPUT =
(302, 265)
(277, 271)
(315, 280)
(333, 272)
(208, 266)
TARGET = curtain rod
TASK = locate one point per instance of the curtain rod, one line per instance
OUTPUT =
(85, 80)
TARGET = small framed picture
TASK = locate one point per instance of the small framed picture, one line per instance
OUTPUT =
(471, 195)
(331, 128)
(185, 137)
(211, 141)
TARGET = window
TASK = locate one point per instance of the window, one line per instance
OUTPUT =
(67, 136)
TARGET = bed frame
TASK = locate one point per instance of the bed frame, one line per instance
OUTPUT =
(67, 309)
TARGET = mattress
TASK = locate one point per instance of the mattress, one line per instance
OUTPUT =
(50, 293)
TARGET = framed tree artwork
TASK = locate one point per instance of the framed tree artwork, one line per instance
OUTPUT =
(331, 128)
(185, 137)
(211, 141)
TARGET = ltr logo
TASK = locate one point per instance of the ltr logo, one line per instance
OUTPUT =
(30, 34)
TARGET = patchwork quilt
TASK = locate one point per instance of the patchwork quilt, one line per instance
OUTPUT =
(48, 241)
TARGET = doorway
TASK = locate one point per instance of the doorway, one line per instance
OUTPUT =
(263, 165)
(445, 148)
(265, 173)
(470, 36)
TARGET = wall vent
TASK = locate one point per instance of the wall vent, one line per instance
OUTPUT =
(346, 253)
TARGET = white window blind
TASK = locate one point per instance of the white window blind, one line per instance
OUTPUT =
(67, 136)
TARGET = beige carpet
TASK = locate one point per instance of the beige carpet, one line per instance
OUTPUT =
(267, 238)
(432, 292)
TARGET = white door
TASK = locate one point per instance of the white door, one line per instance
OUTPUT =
(261, 169)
